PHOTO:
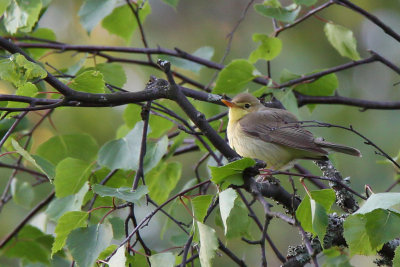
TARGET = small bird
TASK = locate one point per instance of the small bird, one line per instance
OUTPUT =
(274, 135)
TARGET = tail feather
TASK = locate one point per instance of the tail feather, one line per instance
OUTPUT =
(338, 148)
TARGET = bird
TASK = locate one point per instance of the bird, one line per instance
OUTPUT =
(273, 135)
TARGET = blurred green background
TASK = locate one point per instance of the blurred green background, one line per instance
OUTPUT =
(195, 24)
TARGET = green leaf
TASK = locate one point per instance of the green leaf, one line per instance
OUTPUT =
(154, 152)
(200, 206)
(166, 259)
(208, 244)
(288, 100)
(22, 15)
(25, 154)
(121, 22)
(79, 146)
(27, 89)
(172, 210)
(312, 212)
(48, 167)
(3, 5)
(67, 222)
(235, 76)
(71, 175)
(379, 201)
(30, 245)
(356, 235)
(113, 73)
(90, 81)
(231, 170)
(342, 39)
(137, 259)
(132, 115)
(179, 240)
(233, 214)
(382, 226)
(305, 2)
(42, 33)
(163, 179)
(124, 193)
(396, 259)
(29, 70)
(303, 214)
(320, 219)
(93, 11)
(323, 86)
(205, 52)
(22, 193)
(335, 257)
(269, 48)
(18, 70)
(118, 226)
(59, 206)
(96, 238)
(285, 14)
(123, 153)
(173, 3)
(325, 197)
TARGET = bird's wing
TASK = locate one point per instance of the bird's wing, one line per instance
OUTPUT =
(280, 127)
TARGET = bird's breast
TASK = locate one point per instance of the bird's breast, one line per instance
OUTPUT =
(275, 155)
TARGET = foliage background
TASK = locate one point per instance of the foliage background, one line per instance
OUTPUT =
(196, 24)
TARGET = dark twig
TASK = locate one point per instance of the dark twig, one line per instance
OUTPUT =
(151, 214)
(306, 16)
(371, 17)
(139, 23)
(12, 128)
(178, 223)
(185, 251)
(23, 169)
(314, 76)
(132, 217)
(230, 254)
(262, 243)
(260, 226)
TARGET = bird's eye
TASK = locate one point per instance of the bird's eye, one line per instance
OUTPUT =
(247, 105)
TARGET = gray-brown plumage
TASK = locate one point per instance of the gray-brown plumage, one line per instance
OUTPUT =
(274, 135)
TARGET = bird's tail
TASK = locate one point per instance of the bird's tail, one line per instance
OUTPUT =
(338, 148)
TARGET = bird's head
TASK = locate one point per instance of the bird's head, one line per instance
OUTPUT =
(241, 105)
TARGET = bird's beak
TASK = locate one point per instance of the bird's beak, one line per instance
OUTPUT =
(228, 103)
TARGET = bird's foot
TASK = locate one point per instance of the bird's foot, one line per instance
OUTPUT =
(266, 174)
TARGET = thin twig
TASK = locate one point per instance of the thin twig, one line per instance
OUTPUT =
(27, 218)
(140, 172)
(185, 251)
(230, 39)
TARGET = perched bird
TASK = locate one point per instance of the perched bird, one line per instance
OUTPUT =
(274, 135)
